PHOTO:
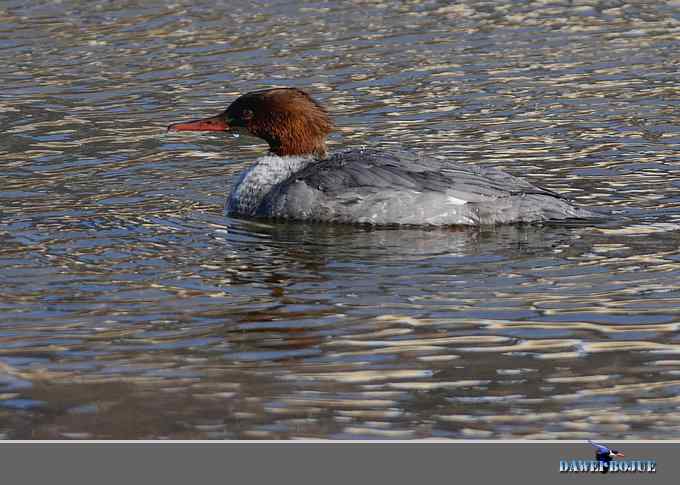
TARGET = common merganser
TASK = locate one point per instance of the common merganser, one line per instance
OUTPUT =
(298, 180)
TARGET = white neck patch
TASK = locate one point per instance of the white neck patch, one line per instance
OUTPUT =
(256, 182)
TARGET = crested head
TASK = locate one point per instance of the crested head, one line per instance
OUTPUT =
(287, 118)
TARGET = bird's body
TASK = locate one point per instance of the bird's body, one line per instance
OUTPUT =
(382, 188)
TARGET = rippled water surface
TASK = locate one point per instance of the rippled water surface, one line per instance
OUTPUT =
(132, 307)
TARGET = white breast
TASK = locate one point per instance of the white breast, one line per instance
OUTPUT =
(256, 182)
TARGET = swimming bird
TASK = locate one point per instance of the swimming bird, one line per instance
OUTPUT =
(299, 180)
(605, 455)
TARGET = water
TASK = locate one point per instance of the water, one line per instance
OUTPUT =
(131, 307)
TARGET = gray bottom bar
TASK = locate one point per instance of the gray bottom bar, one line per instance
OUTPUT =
(321, 463)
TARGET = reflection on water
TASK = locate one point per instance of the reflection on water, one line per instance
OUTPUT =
(131, 307)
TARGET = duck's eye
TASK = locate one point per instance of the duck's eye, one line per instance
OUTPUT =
(246, 114)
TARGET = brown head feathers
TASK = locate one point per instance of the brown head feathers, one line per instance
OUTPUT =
(287, 118)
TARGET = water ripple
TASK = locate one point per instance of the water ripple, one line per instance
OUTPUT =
(131, 307)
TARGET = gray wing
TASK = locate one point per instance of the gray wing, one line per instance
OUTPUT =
(380, 187)
(370, 170)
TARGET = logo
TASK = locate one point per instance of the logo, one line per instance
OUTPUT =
(604, 463)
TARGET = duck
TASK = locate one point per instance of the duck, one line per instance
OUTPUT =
(299, 180)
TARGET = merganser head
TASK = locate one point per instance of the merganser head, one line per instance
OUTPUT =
(286, 118)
